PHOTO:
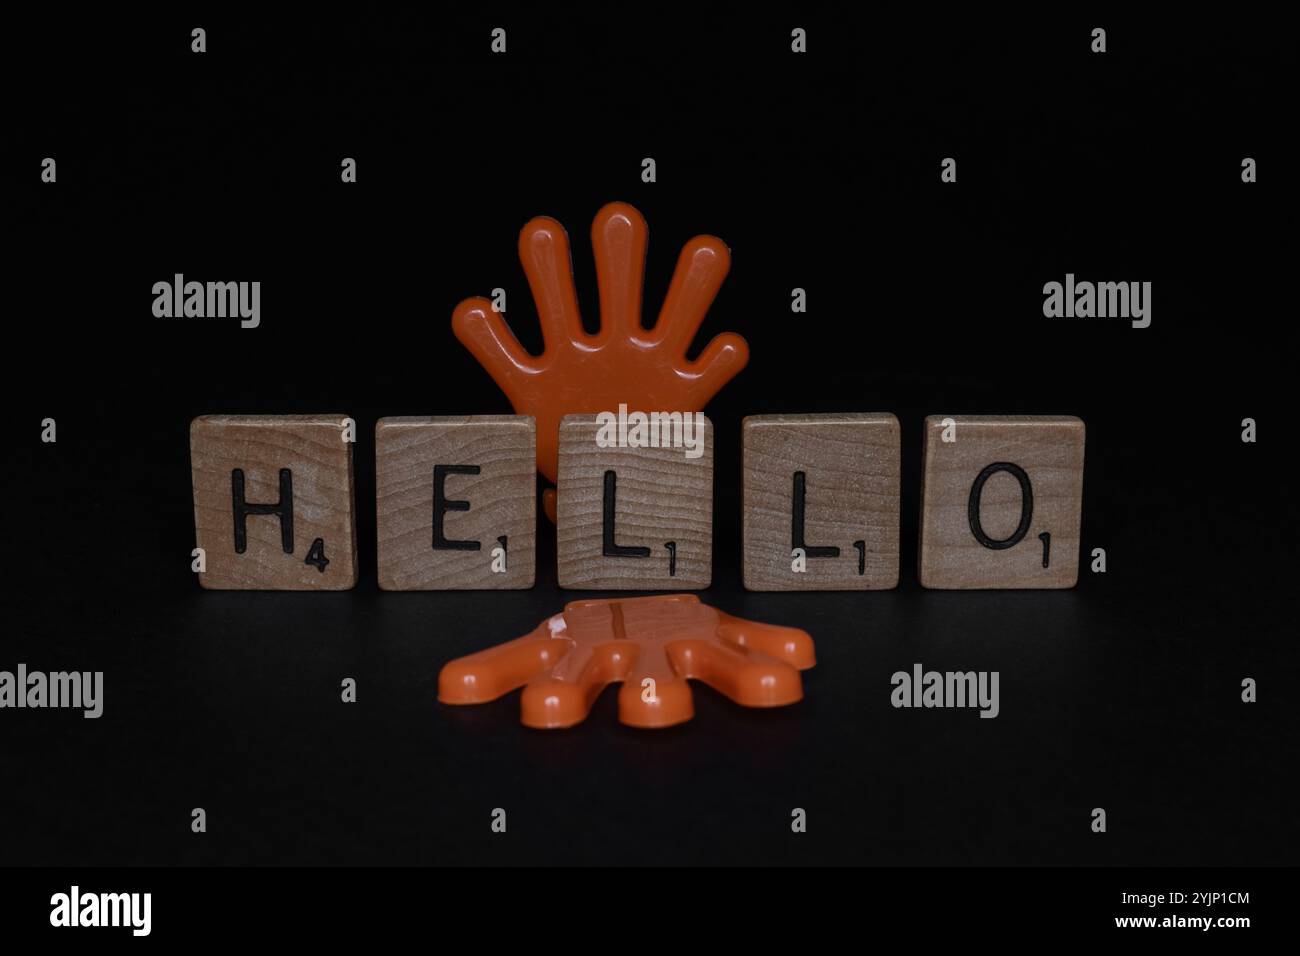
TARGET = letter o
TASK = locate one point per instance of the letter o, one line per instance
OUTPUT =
(1026, 506)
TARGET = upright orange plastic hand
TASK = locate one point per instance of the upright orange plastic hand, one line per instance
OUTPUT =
(652, 645)
(624, 363)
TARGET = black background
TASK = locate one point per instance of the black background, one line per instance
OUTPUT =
(819, 171)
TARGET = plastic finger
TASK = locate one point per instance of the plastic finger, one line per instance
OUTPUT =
(751, 679)
(701, 269)
(544, 252)
(789, 644)
(618, 239)
(480, 328)
(489, 674)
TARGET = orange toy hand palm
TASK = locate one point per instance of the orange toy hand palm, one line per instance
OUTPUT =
(652, 645)
(623, 363)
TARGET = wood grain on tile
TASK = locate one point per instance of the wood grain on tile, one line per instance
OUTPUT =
(828, 485)
(1001, 502)
(658, 533)
(456, 502)
(273, 502)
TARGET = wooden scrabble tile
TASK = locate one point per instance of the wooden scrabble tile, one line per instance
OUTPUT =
(1000, 501)
(456, 502)
(820, 502)
(634, 518)
(273, 502)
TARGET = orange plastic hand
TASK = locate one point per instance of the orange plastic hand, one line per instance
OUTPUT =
(624, 363)
(652, 645)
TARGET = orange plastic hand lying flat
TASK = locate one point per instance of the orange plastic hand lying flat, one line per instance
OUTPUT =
(624, 363)
(652, 645)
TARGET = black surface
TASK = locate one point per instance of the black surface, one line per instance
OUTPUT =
(819, 171)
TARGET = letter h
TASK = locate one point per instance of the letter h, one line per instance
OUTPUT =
(283, 509)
